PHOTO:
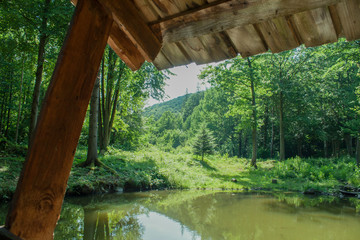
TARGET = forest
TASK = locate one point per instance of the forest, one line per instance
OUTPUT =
(293, 117)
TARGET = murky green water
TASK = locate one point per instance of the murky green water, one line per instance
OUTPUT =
(174, 215)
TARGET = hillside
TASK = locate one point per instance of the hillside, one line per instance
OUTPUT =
(173, 105)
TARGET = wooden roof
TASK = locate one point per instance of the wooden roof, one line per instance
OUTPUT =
(177, 32)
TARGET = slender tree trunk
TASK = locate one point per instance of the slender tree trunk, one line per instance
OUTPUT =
(240, 144)
(299, 147)
(326, 153)
(335, 147)
(245, 145)
(358, 151)
(9, 107)
(92, 154)
(106, 101)
(348, 142)
(266, 127)
(20, 102)
(272, 140)
(254, 117)
(281, 122)
(39, 70)
(2, 111)
(109, 100)
(101, 107)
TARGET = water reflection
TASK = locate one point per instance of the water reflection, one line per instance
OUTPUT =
(183, 215)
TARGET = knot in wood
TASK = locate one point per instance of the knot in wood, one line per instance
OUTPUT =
(46, 203)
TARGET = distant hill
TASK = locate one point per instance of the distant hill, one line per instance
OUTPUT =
(173, 105)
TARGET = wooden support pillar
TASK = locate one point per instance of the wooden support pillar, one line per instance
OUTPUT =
(41, 188)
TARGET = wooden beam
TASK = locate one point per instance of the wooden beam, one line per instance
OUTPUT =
(41, 188)
(230, 14)
(125, 48)
(127, 16)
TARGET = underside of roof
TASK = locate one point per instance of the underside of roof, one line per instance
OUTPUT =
(177, 32)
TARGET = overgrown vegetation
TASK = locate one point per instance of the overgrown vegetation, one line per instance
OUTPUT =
(179, 169)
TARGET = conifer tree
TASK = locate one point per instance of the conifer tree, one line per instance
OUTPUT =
(204, 143)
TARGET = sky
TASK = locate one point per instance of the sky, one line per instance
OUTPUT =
(185, 78)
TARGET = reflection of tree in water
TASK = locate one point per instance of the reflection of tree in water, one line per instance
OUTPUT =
(106, 225)
(70, 224)
(128, 228)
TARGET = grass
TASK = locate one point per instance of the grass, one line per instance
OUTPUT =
(154, 169)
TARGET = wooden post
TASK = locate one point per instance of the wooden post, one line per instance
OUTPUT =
(41, 188)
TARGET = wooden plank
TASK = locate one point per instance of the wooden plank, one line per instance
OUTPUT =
(176, 54)
(164, 8)
(336, 21)
(246, 40)
(161, 62)
(41, 188)
(278, 35)
(127, 16)
(125, 48)
(146, 9)
(315, 27)
(230, 14)
(208, 48)
(349, 14)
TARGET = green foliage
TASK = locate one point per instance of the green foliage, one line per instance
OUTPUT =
(173, 106)
(203, 143)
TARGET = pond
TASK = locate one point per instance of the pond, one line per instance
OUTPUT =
(177, 215)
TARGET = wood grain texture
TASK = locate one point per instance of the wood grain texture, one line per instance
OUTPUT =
(128, 17)
(231, 14)
(41, 188)
(176, 54)
(278, 35)
(349, 14)
(315, 27)
(125, 48)
(246, 40)
(146, 9)
(161, 61)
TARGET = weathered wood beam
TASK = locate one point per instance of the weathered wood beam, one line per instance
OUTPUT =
(41, 188)
(125, 48)
(129, 19)
(230, 14)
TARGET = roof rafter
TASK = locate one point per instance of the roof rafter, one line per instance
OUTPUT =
(131, 22)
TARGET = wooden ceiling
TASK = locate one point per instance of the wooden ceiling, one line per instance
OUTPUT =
(177, 32)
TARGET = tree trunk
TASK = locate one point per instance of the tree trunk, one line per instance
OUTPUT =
(348, 142)
(272, 140)
(2, 111)
(254, 117)
(92, 154)
(9, 108)
(299, 147)
(20, 103)
(358, 151)
(109, 99)
(245, 145)
(326, 153)
(240, 144)
(281, 122)
(106, 101)
(265, 128)
(39, 71)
